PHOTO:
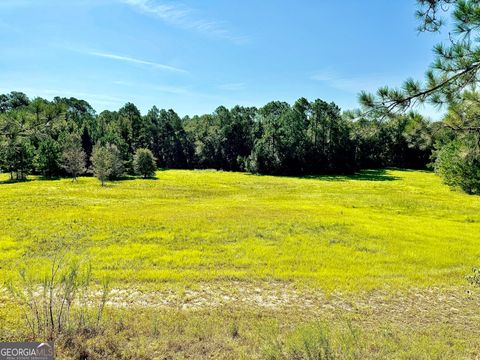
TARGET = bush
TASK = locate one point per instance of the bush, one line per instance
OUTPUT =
(57, 302)
(458, 163)
(117, 168)
(144, 163)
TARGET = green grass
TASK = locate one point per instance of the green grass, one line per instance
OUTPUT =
(376, 230)
(370, 266)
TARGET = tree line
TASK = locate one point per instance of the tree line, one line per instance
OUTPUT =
(66, 136)
(451, 80)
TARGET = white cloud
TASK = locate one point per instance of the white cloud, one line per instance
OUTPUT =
(184, 17)
(136, 61)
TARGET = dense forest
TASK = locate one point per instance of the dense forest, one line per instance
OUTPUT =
(67, 137)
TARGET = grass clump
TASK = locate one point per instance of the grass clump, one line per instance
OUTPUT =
(59, 300)
(315, 342)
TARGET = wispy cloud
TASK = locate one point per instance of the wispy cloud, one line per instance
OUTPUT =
(353, 84)
(136, 61)
(184, 17)
(232, 86)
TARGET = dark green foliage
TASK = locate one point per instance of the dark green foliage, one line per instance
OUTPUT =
(404, 141)
(306, 138)
(457, 158)
(167, 139)
(459, 164)
(48, 158)
(17, 158)
(454, 69)
(12, 101)
(144, 163)
(117, 169)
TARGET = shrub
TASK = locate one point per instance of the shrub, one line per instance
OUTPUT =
(117, 169)
(458, 163)
(61, 304)
(144, 163)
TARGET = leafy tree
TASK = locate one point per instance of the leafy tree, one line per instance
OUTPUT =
(459, 164)
(102, 163)
(12, 101)
(236, 135)
(144, 163)
(458, 155)
(205, 136)
(87, 144)
(330, 149)
(74, 157)
(455, 67)
(306, 138)
(48, 158)
(116, 163)
(131, 126)
(267, 154)
(17, 157)
(168, 139)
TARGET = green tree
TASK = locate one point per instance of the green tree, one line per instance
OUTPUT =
(205, 136)
(48, 158)
(455, 67)
(74, 157)
(457, 158)
(144, 163)
(236, 135)
(102, 163)
(168, 139)
(116, 162)
(17, 157)
(267, 155)
(459, 164)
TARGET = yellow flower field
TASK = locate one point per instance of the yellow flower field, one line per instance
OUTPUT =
(375, 230)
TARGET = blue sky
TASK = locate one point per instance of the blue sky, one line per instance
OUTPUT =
(193, 56)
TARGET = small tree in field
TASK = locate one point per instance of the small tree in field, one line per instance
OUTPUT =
(74, 158)
(144, 163)
(116, 162)
(102, 163)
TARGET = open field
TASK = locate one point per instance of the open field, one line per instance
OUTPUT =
(374, 230)
(388, 250)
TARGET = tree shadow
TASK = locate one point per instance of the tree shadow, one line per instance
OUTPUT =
(362, 175)
(14, 181)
